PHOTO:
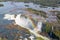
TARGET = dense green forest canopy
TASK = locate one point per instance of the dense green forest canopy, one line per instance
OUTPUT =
(43, 2)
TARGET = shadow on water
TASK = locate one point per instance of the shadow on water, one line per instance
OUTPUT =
(50, 34)
(53, 36)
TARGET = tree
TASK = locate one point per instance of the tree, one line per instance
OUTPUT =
(48, 27)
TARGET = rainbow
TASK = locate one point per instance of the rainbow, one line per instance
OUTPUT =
(32, 22)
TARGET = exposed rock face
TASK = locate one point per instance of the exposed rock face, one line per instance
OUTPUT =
(13, 32)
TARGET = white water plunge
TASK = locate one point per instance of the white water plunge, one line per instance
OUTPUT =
(39, 26)
(24, 22)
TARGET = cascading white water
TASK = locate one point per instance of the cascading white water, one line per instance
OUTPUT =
(22, 21)
(39, 26)
(9, 17)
